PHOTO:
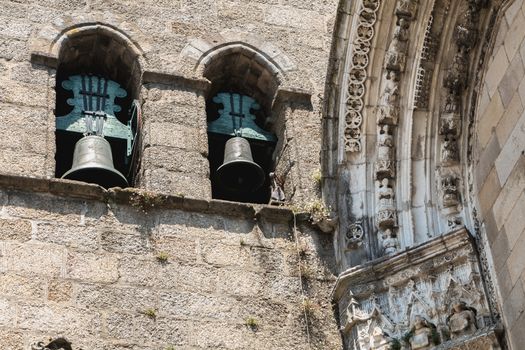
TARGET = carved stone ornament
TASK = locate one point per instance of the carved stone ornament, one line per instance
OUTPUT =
(462, 320)
(457, 75)
(449, 187)
(388, 112)
(389, 242)
(406, 9)
(385, 164)
(57, 344)
(386, 212)
(397, 50)
(450, 124)
(362, 35)
(354, 236)
(406, 299)
(449, 150)
(422, 334)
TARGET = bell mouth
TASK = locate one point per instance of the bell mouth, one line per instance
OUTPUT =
(100, 175)
(240, 176)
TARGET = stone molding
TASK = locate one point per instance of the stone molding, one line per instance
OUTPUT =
(381, 301)
(354, 87)
(145, 200)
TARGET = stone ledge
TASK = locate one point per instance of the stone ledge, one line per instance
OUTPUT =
(144, 200)
(484, 339)
(193, 83)
(44, 59)
(389, 265)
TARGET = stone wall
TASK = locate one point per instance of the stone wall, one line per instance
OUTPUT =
(500, 166)
(172, 38)
(130, 270)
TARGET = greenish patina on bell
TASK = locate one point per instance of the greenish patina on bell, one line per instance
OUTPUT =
(236, 118)
(94, 109)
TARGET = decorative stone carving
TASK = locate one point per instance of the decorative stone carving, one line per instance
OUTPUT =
(406, 9)
(277, 193)
(450, 190)
(422, 334)
(57, 344)
(462, 320)
(354, 236)
(389, 103)
(390, 242)
(385, 164)
(386, 213)
(457, 75)
(358, 59)
(450, 124)
(407, 295)
(449, 150)
(397, 50)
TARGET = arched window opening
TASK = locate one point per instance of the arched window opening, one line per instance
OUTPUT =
(239, 115)
(97, 110)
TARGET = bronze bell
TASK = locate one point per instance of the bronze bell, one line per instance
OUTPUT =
(238, 172)
(93, 162)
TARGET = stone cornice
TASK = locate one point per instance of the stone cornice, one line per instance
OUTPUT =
(146, 200)
(381, 268)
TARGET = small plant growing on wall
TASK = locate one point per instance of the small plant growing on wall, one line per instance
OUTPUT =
(310, 307)
(252, 323)
(162, 257)
(145, 200)
(150, 312)
(320, 216)
(317, 178)
(307, 271)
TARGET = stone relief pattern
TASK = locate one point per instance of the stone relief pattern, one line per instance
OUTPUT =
(421, 306)
(450, 123)
(478, 236)
(387, 118)
(429, 51)
(354, 103)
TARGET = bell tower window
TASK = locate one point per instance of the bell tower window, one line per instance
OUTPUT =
(97, 110)
(240, 151)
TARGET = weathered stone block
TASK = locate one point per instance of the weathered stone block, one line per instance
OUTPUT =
(125, 242)
(55, 209)
(516, 260)
(511, 80)
(59, 290)
(15, 230)
(177, 249)
(198, 306)
(193, 116)
(82, 238)
(514, 36)
(59, 319)
(176, 183)
(92, 267)
(495, 73)
(176, 135)
(176, 160)
(514, 305)
(17, 286)
(35, 258)
(7, 313)
(119, 298)
(291, 17)
(230, 282)
(508, 195)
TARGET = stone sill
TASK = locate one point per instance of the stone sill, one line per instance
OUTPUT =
(388, 265)
(146, 200)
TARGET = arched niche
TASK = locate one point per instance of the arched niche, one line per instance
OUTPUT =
(240, 69)
(98, 50)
